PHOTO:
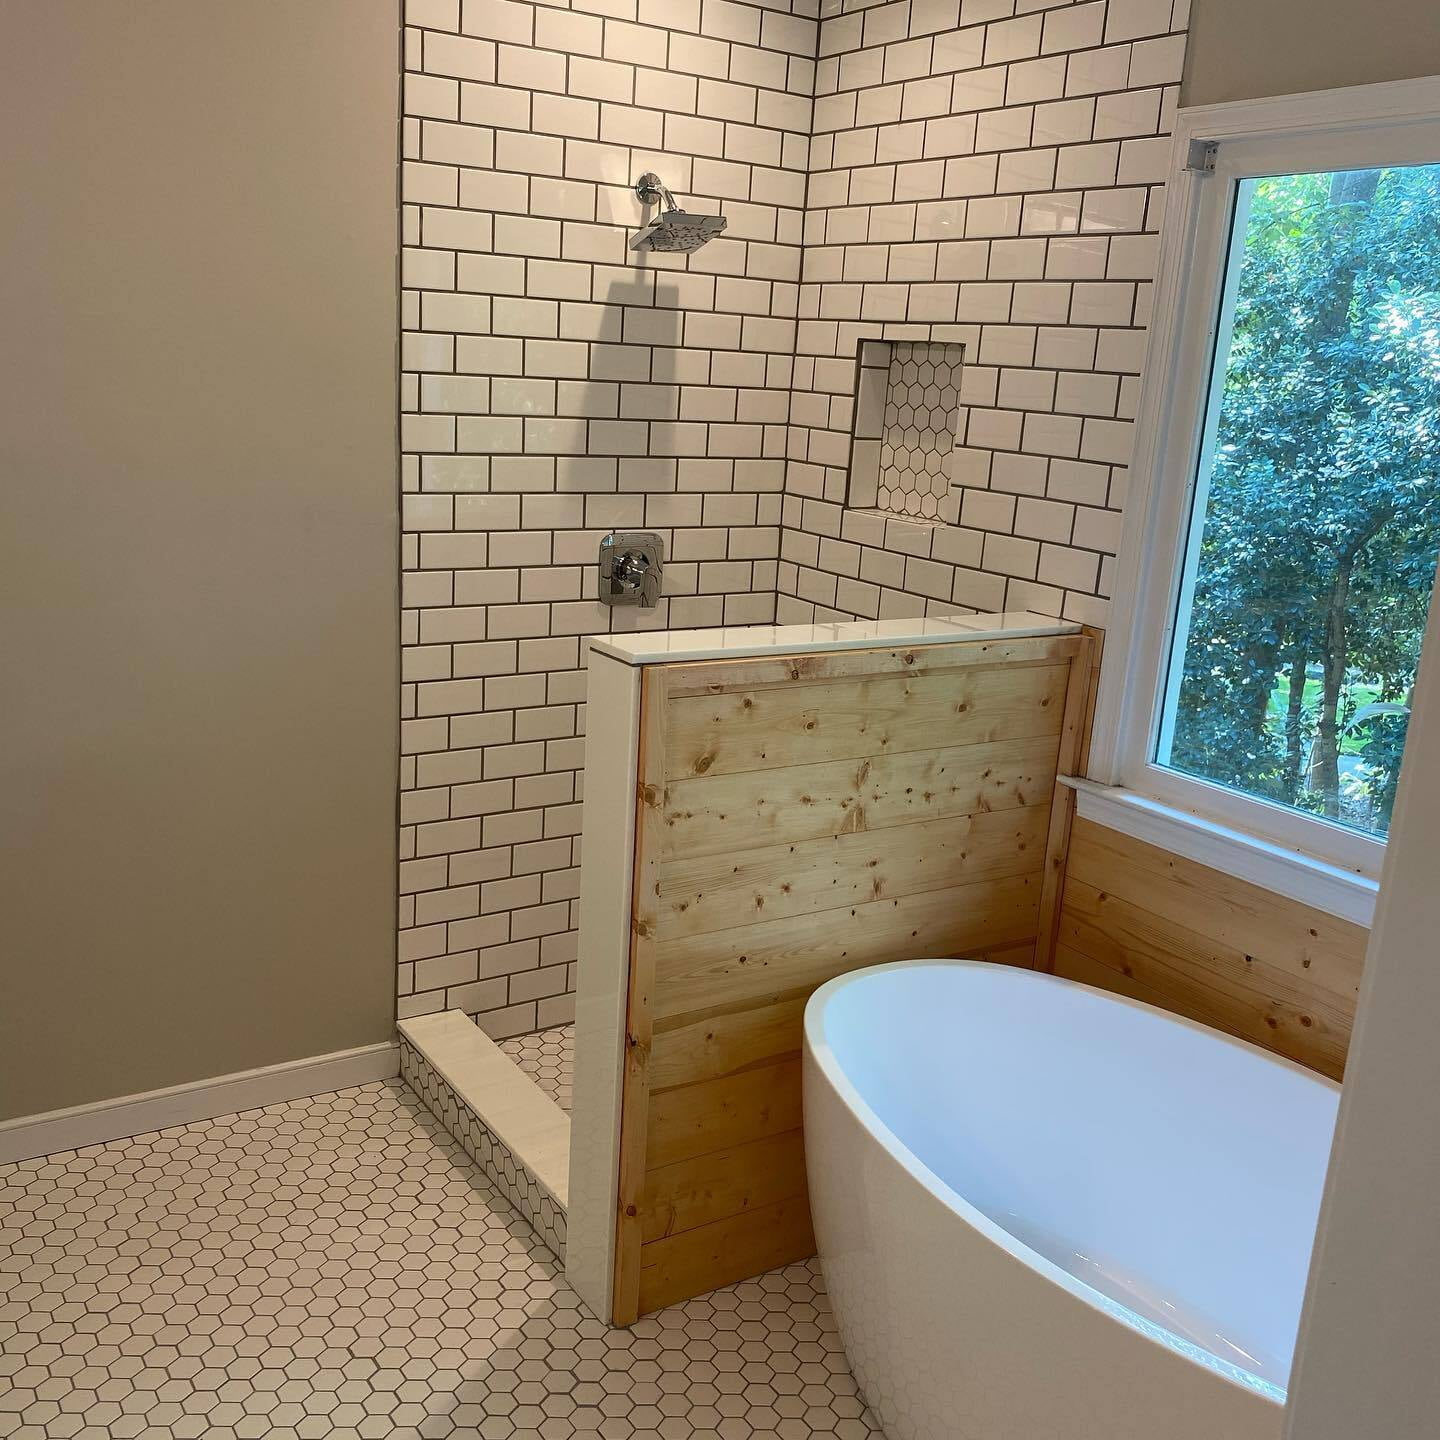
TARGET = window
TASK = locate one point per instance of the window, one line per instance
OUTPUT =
(1290, 525)
(1316, 506)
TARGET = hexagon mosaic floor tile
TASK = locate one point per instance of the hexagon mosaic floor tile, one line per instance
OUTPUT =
(336, 1269)
(548, 1058)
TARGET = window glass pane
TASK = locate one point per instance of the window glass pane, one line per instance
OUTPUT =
(1317, 500)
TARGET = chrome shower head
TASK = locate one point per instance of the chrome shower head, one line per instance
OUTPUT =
(678, 231)
(672, 229)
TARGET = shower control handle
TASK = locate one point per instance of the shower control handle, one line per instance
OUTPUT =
(633, 572)
(631, 569)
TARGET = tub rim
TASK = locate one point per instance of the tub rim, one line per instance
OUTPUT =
(820, 1050)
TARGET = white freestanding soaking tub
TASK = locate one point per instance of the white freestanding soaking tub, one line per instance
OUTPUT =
(1048, 1213)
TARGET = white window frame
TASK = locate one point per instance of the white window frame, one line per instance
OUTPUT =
(1215, 146)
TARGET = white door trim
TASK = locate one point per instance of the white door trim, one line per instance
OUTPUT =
(1365, 1356)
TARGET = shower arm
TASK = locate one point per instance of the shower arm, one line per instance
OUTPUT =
(651, 189)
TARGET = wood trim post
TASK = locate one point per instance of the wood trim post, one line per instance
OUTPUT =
(1074, 737)
(639, 1017)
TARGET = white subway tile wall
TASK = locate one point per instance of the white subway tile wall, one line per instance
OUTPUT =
(988, 173)
(982, 174)
(555, 386)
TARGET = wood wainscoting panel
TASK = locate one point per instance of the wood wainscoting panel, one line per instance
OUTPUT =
(801, 817)
(774, 728)
(1142, 922)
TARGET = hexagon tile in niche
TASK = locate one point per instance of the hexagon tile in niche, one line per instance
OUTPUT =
(337, 1267)
(921, 400)
(906, 418)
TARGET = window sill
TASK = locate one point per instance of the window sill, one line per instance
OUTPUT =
(1290, 873)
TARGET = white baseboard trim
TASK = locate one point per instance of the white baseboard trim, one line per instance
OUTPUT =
(31, 1135)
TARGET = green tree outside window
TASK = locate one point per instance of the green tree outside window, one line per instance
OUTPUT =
(1322, 519)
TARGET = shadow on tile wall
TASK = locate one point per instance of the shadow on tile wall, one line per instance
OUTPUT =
(980, 173)
(558, 385)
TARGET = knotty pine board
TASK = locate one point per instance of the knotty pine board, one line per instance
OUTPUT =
(799, 818)
(1140, 921)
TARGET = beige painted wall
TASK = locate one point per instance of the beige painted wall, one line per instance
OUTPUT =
(197, 538)
(1240, 49)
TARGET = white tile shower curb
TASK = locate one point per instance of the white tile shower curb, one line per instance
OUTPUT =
(502, 1119)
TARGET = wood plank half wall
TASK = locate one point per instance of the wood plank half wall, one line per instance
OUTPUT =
(1143, 922)
(798, 818)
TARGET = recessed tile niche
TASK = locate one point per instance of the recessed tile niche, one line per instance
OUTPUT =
(907, 401)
